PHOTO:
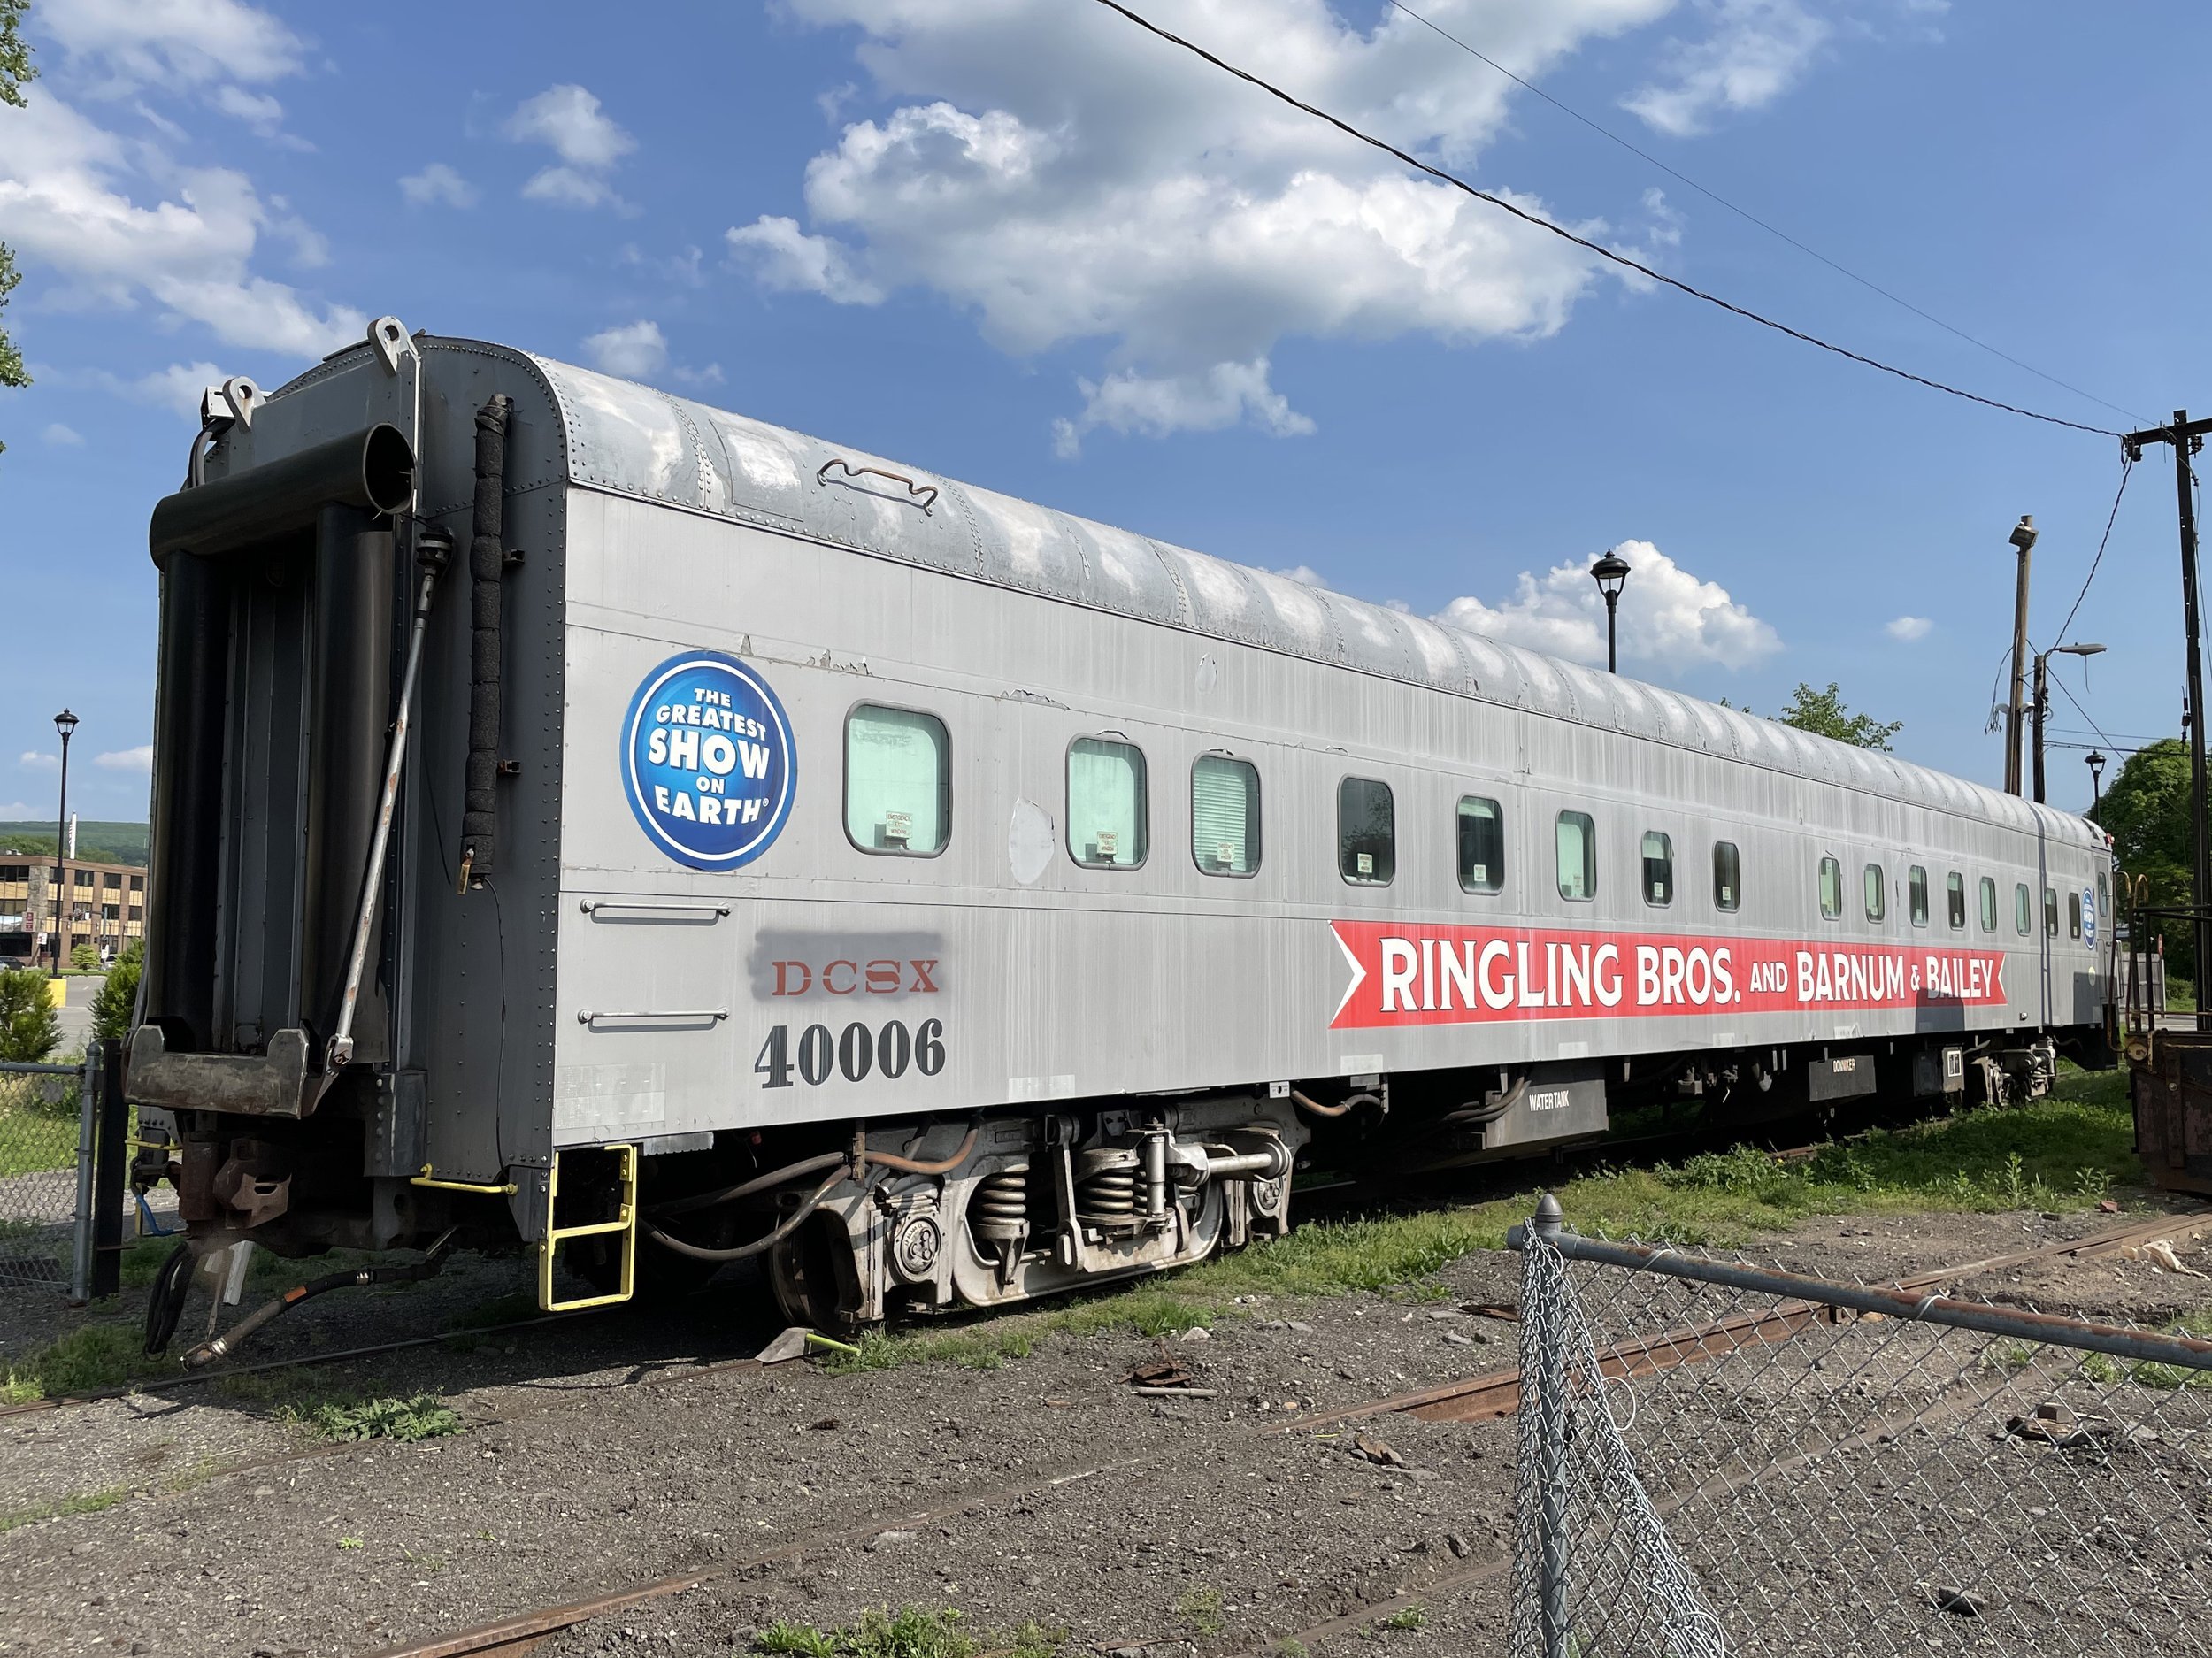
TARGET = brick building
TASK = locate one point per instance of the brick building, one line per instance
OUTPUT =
(104, 903)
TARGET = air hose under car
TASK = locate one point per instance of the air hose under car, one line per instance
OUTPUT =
(231, 1339)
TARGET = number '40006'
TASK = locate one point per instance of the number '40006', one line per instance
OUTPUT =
(854, 1054)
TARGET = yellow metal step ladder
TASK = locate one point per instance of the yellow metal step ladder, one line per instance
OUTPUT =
(625, 1223)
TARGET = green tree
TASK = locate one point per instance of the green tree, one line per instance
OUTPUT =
(29, 1027)
(111, 1008)
(2146, 810)
(15, 68)
(1823, 714)
(84, 955)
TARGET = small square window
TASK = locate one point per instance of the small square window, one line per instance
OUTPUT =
(1224, 815)
(1482, 844)
(1989, 904)
(1577, 850)
(1917, 894)
(1876, 885)
(1831, 888)
(1727, 875)
(1658, 868)
(1106, 804)
(2022, 909)
(1954, 899)
(1366, 833)
(898, 781)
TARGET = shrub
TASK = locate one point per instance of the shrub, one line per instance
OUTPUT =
(30, 1028)
(111, 1007)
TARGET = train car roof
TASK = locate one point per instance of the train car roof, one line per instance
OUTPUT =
(634, 440)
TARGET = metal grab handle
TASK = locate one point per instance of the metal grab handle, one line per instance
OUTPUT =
(593, 906)
(586, 1015)
(922, 495)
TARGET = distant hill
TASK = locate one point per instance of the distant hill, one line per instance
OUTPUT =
(101, 842)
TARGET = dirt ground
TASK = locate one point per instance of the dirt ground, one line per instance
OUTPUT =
(606, 1451)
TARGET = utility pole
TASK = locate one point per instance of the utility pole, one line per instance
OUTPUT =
(2187, 438)
(2023, 537)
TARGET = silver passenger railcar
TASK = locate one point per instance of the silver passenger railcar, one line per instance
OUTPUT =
(589, 818)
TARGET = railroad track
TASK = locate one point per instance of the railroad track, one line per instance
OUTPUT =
(1478, 1398)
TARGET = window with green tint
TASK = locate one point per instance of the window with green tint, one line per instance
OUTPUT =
(1989, 904)
(1481, 845)
(1224, 815)
(1831, 888)
(1876, 894)
(1727, 875)
(1106, 804)
(2022, 909)
(1658, 854)
(1577, 849)
(2104, 897)
(1366, 833)
(1917, 894)
(898, 781)
(1955, 898)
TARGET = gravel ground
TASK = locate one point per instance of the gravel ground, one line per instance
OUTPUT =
(603, 1451)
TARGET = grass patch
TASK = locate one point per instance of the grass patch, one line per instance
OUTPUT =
(911, 1633)
(1406, 1618)
(1201, 1609)
(57, 1507)
(87, 1358)
(424, 1416)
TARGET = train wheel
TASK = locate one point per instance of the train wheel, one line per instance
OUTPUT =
(811, 1276)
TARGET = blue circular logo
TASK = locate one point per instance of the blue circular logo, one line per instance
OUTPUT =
(708, 761)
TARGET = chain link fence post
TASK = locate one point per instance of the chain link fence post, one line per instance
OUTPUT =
(81, 1242)
(1548, 1374)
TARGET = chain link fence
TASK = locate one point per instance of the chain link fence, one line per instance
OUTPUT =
(1719, 1460)
(46, 1137)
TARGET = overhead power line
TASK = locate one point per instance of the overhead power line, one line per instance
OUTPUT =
(1749, 216)
(1603, 252)
(2127, 466)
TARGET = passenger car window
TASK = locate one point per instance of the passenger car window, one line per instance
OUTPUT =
(1481, 845)
(1917, 894)
(1577, 850)
(2104, 896)
(1989, 904)
(1877, 892)
(1727, 875)
(1831, 888)
(898, 781)
(1106, 804)
(1366, 832)
(1224, 815)
(2073, 915)
(1955, 896)
(2050, 912)
(1658, 868)
(2022, 909)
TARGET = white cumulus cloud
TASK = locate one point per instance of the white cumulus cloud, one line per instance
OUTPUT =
(124, 223)
(1757, 50)
(633, 350)
(590, 142)
(1306, 574)
(140, 759)
(437, 185)
(18, 809)
(38, 761)
(1064, 177)
(172, 44)
(1908, 628)
(1668, 619)
(63, 436)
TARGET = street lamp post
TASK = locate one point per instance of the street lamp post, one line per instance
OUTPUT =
(1611, 573)
(2095, 763)
(66, 723)
(2043, 698)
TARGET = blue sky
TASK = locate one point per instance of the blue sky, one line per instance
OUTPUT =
(1021, 243)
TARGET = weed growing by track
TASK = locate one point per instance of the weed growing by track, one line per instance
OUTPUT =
(57, 1507)
(911, 1633)
(91, 1357)
(424, 1416)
